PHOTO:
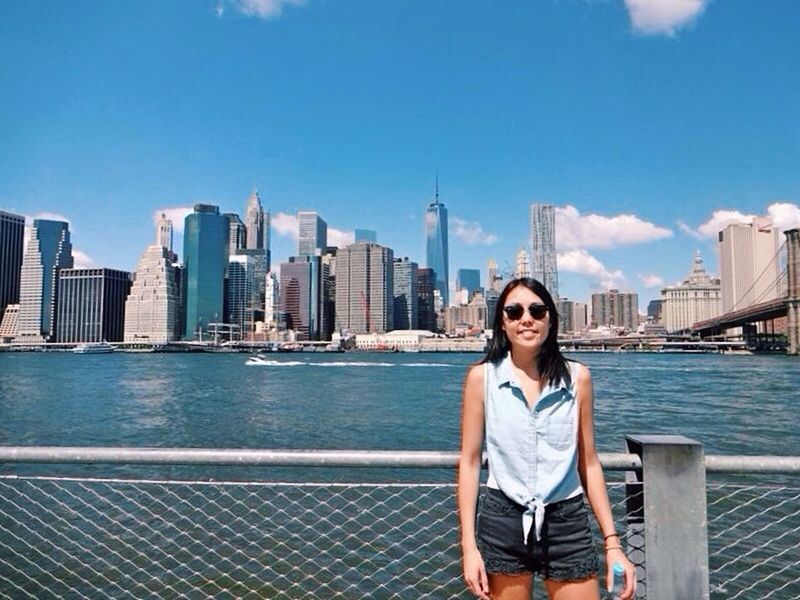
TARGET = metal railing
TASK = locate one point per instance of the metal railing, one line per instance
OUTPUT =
(88, 537)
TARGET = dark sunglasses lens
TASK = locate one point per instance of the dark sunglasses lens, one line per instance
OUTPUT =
(538, 311)
(514, 311)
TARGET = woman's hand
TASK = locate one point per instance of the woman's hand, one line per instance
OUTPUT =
(616, 555)
(475, 574)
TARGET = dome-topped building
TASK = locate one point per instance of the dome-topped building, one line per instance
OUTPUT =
(696, 298)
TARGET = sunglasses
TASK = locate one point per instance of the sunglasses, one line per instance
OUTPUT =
(516, 310)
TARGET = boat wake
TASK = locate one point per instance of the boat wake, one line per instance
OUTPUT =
(258, 362)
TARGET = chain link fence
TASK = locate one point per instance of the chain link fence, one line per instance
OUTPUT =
(112, 538)
(754, 542)
(82, 537)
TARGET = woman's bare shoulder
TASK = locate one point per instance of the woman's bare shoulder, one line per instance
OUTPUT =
(580, 372)
(474, 375)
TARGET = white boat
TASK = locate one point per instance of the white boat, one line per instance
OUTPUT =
(93, 348)
(258, 359)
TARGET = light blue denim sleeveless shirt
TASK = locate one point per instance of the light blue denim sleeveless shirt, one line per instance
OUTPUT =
(533, 453)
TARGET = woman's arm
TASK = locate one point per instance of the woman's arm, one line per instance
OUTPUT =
(594, 483)
(469, 469)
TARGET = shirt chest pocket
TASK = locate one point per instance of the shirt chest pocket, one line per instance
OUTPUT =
(558, 432)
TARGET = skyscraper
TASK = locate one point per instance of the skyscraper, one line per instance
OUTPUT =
(301, 296)
(312, 234)
(426, 283)
(12, 234)
(468, 279)
(543, 247)
(616, 309)
(164, 232)
(437, 254)
(328, 311)
(272, 298)
(406, 302)
(240, 289)
(91, 305)
(365, 288)
(257, 224)
(152, 310)
(749, 264)
(237, 236)
(257, 233)
(49, 250)
(494, 280)
(523, 264)
(205, 259)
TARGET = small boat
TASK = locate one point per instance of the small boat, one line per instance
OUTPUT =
(93, 348)
(258, 359)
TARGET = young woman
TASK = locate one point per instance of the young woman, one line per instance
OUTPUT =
(535, 408)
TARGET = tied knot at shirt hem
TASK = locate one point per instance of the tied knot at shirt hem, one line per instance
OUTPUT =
(532, 519)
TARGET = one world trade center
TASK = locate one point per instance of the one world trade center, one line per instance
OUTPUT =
(436, 237)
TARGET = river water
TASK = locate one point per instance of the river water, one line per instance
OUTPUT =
(733, 404)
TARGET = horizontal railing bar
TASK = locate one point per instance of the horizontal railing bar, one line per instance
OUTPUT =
(273, 458)
(752, 464)
(228, 457)
(611, 461)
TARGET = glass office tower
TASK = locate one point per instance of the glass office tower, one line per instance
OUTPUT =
(437, 250)
(12, 233)
(205, 260)
(49, 250)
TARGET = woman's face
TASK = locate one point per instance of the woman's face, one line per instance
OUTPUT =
(527, 331)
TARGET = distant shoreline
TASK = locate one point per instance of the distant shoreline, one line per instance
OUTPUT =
(256, 349)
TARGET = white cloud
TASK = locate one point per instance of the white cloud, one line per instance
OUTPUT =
(176, 214)
(655, 17)
(689, 231)
(581, 262)
(340, 238)
(286, 225)
(262, 9)
(651, 281)
(720, 219)
(82, 260)
(50, 216)
(470, 233)
(574, 230)
(785, 215)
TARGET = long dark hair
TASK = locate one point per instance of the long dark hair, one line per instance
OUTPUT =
(550, 363)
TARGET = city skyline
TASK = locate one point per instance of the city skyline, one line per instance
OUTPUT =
(648, 133)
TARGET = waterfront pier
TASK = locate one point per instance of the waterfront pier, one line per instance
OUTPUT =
(697, 526)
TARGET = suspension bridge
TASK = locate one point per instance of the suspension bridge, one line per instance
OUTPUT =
(757, 318)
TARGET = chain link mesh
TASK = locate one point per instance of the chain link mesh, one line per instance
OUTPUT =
(754, 542)
(112, 538)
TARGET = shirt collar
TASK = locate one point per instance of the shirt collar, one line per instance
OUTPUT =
(504, 373)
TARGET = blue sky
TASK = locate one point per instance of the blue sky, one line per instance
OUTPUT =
(649, 123)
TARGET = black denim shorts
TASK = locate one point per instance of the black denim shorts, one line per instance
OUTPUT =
(565, 551)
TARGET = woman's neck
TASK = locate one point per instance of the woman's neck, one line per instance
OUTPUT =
(526, 361)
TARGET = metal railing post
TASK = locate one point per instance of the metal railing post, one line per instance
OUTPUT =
(674, 510)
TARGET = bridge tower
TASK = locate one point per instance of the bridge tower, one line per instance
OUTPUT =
(793, 296)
